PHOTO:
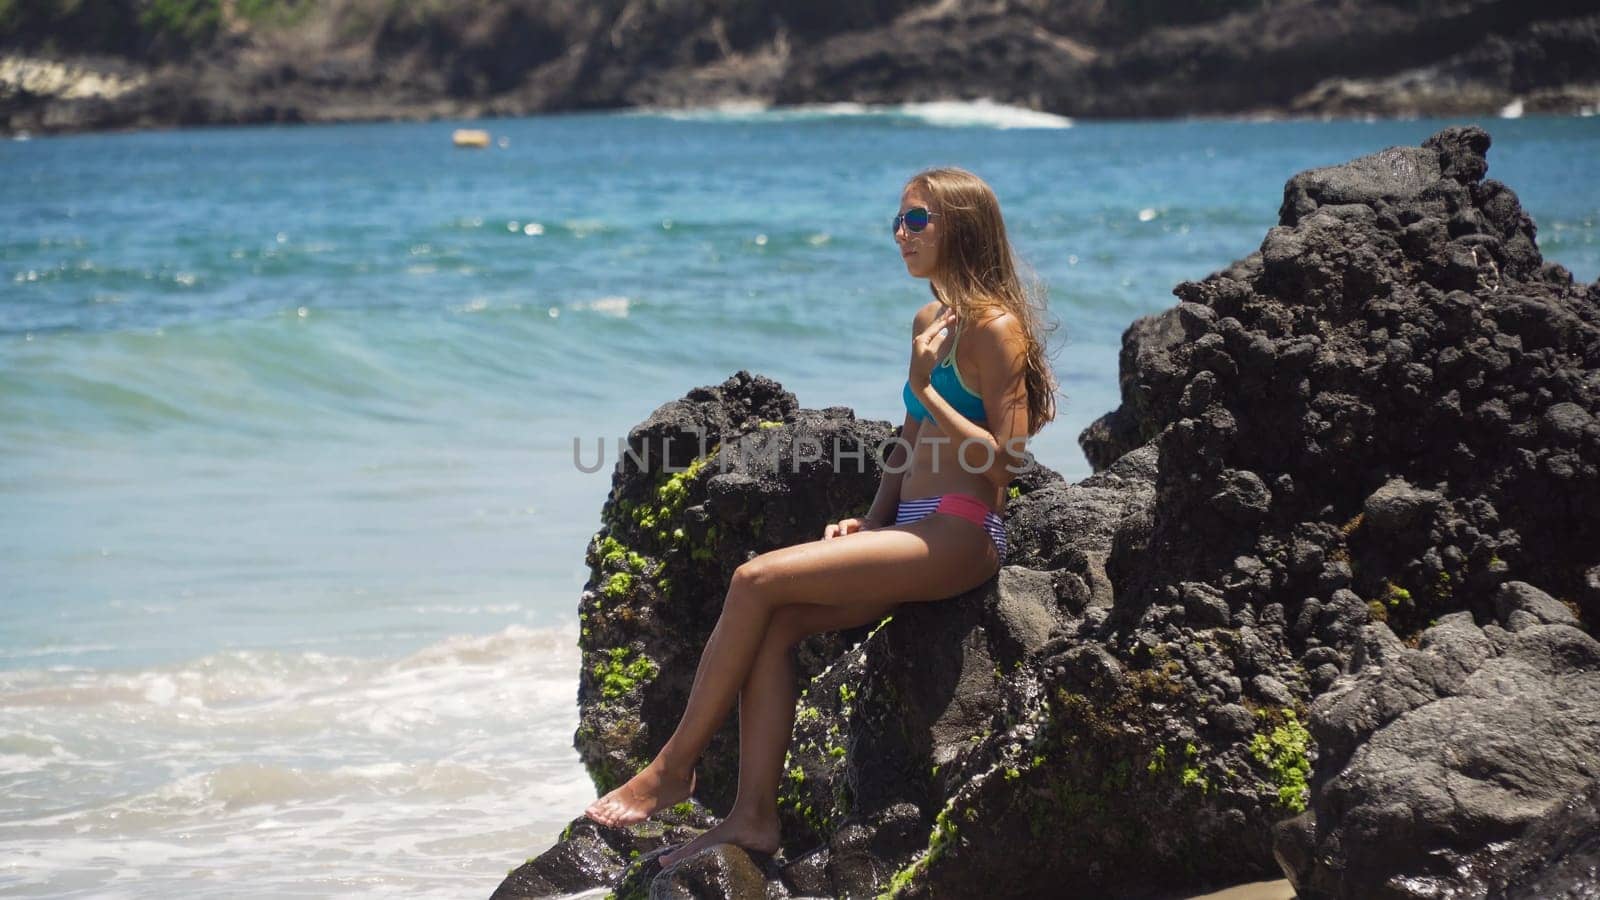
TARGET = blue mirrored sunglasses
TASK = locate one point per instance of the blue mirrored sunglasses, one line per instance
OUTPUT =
(916, 218)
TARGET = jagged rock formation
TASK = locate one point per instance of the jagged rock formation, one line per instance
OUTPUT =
(213, 61)
(1435, 760)
(1351, 485)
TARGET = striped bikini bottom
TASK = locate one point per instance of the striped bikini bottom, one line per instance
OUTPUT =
(969, 508)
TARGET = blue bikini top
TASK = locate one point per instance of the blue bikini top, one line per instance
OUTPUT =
(947, 382)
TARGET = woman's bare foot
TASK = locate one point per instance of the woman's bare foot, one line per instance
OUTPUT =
(645, 794)
(761, 836)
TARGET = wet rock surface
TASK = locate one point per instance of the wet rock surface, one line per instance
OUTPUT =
(1435, 760)
(1322, 610)
(1557, 856)
(591, 855)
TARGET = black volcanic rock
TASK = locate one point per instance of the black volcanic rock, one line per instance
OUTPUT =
(1397, 338)
(1558, 856)
(1435, 760)
(376, 59)
(590, 855)
(1322, 609)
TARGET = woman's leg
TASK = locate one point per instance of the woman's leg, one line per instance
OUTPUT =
(766, 725)
(724, 665)
(930, 559)
(766, 722)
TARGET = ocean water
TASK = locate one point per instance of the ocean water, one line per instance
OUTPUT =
(291, 531)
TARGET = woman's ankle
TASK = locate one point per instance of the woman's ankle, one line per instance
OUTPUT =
(754, 813)
(670, 770)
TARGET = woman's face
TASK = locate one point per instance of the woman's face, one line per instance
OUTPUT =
(920, 251)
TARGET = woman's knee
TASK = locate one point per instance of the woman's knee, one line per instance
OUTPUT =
(751, 585)
(755, 575)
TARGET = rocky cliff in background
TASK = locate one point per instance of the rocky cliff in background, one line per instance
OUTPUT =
(1324, 608)
(142, 63)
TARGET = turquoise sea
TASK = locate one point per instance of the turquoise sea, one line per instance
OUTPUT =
(291, 533)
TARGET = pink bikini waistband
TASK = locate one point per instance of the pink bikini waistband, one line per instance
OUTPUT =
(970, 508)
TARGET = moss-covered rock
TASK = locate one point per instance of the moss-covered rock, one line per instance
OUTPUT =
(706, 483)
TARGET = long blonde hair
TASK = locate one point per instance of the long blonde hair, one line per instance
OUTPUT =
(980, 272)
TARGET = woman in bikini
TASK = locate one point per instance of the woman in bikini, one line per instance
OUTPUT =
(933, 531)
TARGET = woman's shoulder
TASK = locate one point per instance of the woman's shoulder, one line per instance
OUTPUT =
(998, 343)
(998, 325)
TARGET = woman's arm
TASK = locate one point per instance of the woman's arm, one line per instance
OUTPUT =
(887, 501)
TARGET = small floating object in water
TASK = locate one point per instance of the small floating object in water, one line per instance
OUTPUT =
(470, 137)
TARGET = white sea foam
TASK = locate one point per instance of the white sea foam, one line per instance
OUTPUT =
(731, 110)
(982, 113)
(300, 774)
(53, 650)
(616, 307)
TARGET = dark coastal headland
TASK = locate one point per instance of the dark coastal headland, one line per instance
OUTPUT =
(1324, 611)
(119, 64)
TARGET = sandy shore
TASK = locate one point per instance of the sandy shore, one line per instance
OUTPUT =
(1255, 890)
